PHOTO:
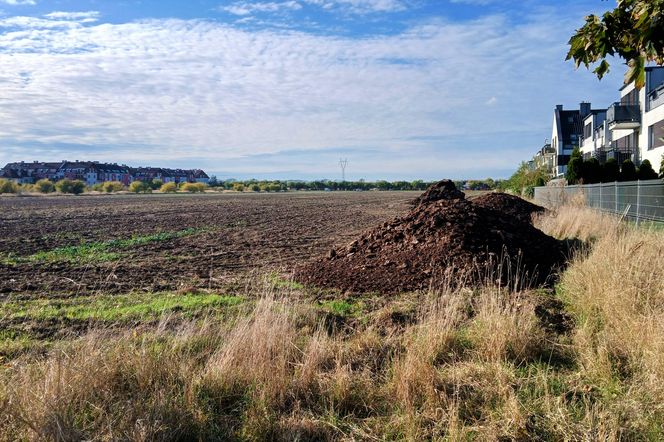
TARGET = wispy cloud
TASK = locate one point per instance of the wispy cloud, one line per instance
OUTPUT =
(474, 2)
(247, 8)
(18, 2)
(361, 6)
(441, 98)
(83, 17)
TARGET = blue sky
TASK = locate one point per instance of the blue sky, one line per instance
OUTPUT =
(404, 89)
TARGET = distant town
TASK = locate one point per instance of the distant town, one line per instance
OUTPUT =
(94, 172)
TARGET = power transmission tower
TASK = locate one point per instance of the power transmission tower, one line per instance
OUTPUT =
(343, 163)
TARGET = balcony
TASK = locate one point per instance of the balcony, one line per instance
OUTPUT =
(623, 116)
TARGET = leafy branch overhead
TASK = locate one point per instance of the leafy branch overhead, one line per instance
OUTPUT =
(634, 31)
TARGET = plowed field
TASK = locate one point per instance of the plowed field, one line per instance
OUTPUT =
(65, 246)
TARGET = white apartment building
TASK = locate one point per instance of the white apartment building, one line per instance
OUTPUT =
(631, 128)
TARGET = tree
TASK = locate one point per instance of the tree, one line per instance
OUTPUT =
(646, 172)
(7, 186)
(661, 168)
(574, 167)
(628, 171)
(75, 187)
(112, 186)
(156, 184)
(523, 181)
(610, 171)
(45, 186)
(633, 31)
(193, 187)
(140, 187)
(169, 187)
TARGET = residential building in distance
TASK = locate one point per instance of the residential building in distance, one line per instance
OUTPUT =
(545, 158)
(596, 137)
(632, 128)
(94, 172)
(566, 134)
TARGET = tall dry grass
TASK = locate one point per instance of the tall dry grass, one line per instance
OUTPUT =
(464, 363)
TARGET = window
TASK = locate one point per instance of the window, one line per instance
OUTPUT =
(656, 135)
(588, 131)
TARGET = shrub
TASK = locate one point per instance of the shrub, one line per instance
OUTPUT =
(169, 188)
(156, 184)
(99, 187)
(44, 186)
(255, 188)
(194, 187)
(140, 187)
(646, 171)
(238, 187)
(591, 171)
(574, 167)
(7, 186)
(75, 187)
(610, 171)
(628, 171)
(112, 186)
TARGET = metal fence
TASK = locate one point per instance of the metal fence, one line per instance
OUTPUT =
(637, 200)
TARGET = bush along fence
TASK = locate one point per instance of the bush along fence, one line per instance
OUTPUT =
(636, 200)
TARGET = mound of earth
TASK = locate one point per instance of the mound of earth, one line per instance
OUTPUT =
(509, 204)
(442, 190)
(442, 235)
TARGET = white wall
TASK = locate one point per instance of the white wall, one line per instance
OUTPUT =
(648, 119)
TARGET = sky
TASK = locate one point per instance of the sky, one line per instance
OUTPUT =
(403, 89)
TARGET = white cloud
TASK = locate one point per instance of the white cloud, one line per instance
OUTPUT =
(361, 6)
(474, 2)
(18, 2)
(172, 90)
(247, 8)
(83, 17)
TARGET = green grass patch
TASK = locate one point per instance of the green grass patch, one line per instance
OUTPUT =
(131, 307)
(280, 282)
(14, 343)
(97, 251)
(345, 308)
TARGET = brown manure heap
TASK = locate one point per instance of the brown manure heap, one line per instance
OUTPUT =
(510, 205)
(444, 234)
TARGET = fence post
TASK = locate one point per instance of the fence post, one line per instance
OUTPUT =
(600, 197)
(638, 201)
(615, 187)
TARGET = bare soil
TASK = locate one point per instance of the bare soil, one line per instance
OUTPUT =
(237, 234)
(444, 240)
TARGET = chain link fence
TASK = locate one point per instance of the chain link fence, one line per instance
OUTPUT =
(637, 200)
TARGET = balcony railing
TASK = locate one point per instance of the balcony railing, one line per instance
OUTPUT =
(623, 116)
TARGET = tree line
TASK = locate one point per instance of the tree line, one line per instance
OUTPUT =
(254, 185)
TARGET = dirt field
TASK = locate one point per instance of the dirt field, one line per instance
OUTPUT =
(64, 246)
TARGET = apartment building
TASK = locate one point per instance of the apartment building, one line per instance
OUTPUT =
(566, 134)
(632, 128)
(93, 172)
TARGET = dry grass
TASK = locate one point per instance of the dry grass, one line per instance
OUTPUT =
(470, 363)
(577, 221)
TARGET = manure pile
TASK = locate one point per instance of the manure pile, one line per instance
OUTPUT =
(442, 234)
